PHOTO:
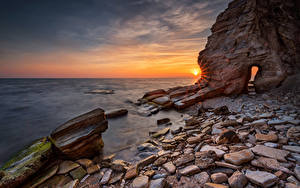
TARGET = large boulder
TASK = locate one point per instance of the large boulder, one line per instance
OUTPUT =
(26, 163)
(81, 137)
(253, 33)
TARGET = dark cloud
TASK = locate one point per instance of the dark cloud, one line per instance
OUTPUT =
(49, 25)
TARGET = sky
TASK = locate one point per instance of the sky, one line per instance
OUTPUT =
(104, 38)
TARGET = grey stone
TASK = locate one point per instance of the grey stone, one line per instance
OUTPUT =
(140, 182)
(270, 152)
(261, 178)
(158, 183)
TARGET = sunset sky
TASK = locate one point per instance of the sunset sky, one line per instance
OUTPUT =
(104, 38)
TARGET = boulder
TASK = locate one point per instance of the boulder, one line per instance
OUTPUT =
(26, 163)
(81, 136)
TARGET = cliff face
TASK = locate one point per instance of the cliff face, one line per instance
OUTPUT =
(253, 32)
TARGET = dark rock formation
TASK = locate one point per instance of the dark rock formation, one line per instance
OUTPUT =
(253, 33)
(81, 136)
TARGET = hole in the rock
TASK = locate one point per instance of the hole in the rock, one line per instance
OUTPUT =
(251, 87)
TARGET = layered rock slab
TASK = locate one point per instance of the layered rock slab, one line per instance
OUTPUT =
(81, 137)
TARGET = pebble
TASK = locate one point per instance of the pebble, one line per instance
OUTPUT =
(261, 178)
(189, 170)
(237, 180)
(140, 182)
(219, 177)
(170, 167)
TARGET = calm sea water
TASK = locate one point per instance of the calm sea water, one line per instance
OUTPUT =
(32, 108)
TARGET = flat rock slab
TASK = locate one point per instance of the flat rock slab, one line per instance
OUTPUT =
(219, 152)
(240, 157)
(26, 163)
(295, 149)
(41, 178)
(81, 137)
(269, 163)
(116, 113)
(189, 170)
(270, 152)
(266, 137)
(261, 178)
(67, 166)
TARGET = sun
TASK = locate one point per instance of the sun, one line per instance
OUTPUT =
(196, 71)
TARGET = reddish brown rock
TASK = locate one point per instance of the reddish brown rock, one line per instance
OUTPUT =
(266, 137)
(239, 157)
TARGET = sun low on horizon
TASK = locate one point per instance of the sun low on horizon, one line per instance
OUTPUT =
(104, 39)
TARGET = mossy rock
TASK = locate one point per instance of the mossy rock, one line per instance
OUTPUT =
(26, 163)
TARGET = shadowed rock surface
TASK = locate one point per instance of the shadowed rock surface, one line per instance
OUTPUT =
(253, 33)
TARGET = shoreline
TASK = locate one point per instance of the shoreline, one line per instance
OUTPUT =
(183, 153)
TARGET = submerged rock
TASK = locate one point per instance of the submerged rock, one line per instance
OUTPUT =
(81, 136)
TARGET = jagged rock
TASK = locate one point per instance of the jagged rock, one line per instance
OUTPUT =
(118, 165)
(297, 172)
(161, 132)
(239, 157)
(237, 180)
(26, 163)
(261, 178)
(219, 177)
(81, 136)
(116, 113)
(247, 33)
(155, 92)
(56, 181)
(227, 165)
(117, 177)
(71, 184)
(270, 152)
(195, 139)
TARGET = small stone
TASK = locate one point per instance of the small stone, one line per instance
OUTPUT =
(186, 158)
(227, 137)
(270, 152)
(239, 157)
(160, 161)
(140, 182)
(132, 172)
(258, 123)
(261, 178)
(161, 132)
(157, 176)
(163, 121)
(202, 178)
(93, 169)
(106, 177)
(189, 170)
(158, 183)
(85, 162)
(291, 185)
(67, 166)
(297, 171)
(222, 110)
(118, 165)
(237, 180)
(219, 152)
(205, 159)
(227, 165)
(295, 149)
(269, 163)
(214, 185)
(294, 133)
(78, 173)
(149, 173)
(170, 167)
(267, 137)
(219, 178)
(195, 139)
(293, 180)
(117, 177)
(146, 161)
(271, 145)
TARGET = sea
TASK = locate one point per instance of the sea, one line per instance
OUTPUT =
(33, 108)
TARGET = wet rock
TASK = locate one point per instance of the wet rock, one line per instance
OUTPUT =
(140, 182)
(269, 163)
(118, 165)
(41, 178)
(237, 180)
(205, 159)
(170, 167)
(161, 132)
(227, 137)
(146, 161)
(239, 157)
(294, 133)
(116, 113)
(270, 152)
(106, 177)
(26, 163)
(147, 147)
(276, 122)
(71, 184)
(132, 172)
(293, 180)
(202, 178)
(189, 170)
(155, 92)
(67, 166)
(222, 110)
(219, 178)
(158, 183)
(163, 121)
(161, 100)
(93, 169)
(296, 156)
(271, 137)
(219, 152)
(78, 173)
(85, 162)
(186, 158)
(81, 136)
(195, 139)
(214, 185)
(261, 178)
(295, 149)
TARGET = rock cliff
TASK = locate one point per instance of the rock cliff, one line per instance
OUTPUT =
(250, 33)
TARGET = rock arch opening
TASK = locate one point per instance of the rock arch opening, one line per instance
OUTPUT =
(253, 71)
